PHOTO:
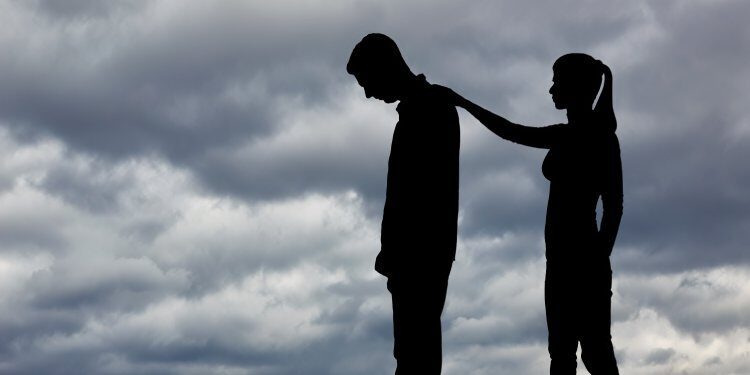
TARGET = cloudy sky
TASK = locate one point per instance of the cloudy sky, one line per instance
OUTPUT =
(196, 187)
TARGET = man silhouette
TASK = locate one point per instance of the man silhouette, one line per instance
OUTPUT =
(418, 233)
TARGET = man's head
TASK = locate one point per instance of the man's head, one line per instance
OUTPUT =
(378, 66)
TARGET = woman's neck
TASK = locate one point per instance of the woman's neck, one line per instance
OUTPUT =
(578, 114)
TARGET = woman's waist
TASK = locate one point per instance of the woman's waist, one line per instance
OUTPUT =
(571, 229)
(567, 215)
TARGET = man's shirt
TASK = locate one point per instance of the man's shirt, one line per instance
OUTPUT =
(420, 217)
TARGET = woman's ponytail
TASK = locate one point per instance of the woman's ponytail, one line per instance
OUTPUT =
(604, 111)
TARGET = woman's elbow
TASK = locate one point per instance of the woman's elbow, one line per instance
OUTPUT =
(613, 207)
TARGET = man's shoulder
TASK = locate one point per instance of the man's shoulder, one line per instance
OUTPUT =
(437, 98)
(427, 103)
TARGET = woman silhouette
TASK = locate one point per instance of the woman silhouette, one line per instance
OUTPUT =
(582, 165)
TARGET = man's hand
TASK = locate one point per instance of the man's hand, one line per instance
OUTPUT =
(383, 265)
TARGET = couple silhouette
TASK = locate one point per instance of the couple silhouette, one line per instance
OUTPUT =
(419, 227)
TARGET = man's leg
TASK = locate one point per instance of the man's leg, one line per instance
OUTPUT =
(417, 306)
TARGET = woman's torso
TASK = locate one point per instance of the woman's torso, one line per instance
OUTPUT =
(575, 168)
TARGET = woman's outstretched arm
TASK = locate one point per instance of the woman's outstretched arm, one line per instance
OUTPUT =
(540, 137)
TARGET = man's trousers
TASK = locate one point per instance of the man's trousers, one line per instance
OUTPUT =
(418, 299)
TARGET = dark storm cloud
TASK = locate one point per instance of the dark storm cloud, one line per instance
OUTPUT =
(680, 298)
(122, 285)
(82, 8)
(660, 356)
(686, 205)
(134, 314)
(21, 233)
(195, 92)
(194, 83)
(91, 185)
(681, 129)
(32, 223)
(146, 273)
(180, 81)
(506, 197)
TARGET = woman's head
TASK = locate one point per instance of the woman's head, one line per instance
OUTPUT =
(576, 81)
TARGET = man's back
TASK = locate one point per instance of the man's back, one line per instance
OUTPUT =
(421, 210)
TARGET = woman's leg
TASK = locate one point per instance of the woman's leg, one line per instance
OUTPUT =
(597, 352)
(560, 306)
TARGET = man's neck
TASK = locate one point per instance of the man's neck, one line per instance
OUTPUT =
(411, 84)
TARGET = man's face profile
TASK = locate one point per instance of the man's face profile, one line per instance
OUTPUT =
(376, 86)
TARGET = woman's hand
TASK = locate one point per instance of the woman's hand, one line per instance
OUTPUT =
(448, 95)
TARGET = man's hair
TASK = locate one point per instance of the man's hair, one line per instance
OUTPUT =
(376, 51)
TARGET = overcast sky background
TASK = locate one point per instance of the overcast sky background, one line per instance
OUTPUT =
(196, 187)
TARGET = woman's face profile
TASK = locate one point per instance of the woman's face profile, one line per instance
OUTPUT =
(559, 92)
(568, 91)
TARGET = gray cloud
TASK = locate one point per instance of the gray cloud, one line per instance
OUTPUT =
(196, 188)
(660, 356)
